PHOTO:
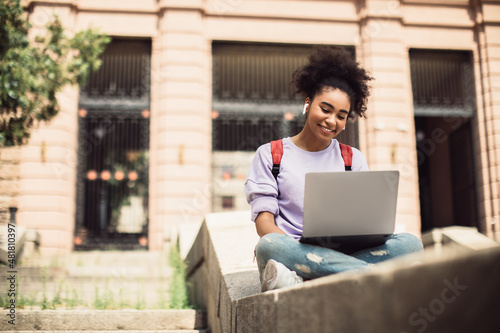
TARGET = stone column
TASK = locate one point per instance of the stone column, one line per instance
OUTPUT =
(9, 181)
(47, 170)
(181, 123)
(488, 101)
(389, 140)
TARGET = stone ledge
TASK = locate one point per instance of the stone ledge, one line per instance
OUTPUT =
(455, 291)
(460, 237)
(221, 269)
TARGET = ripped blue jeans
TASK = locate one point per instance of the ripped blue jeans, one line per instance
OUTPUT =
(311, 261)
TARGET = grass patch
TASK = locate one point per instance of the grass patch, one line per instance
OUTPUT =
(115, 294)
(104, 300)
(179, 295)
(72, 300)
(69, 298)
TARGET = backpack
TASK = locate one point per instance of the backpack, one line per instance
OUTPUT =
(277, 153)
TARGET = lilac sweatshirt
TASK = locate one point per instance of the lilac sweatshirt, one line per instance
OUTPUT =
(261, 189)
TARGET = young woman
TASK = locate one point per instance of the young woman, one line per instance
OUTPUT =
(334, 87)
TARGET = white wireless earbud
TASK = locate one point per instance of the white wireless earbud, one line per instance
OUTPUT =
(343, 128)
(305, 108)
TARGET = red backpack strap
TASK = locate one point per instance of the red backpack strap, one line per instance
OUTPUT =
(276, 153)
(346, 152)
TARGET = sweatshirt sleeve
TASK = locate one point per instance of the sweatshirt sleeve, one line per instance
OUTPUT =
(358, 161)
(261, 189)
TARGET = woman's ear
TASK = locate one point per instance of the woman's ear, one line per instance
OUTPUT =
(306, 105)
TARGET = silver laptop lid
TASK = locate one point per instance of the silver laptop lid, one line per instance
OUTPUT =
(350, 203)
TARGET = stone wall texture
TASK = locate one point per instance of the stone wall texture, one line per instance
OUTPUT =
(449, 288)
(9, 180)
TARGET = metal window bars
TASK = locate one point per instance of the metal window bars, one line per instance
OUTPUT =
(442, 82)
(113, 166)
(253, 101)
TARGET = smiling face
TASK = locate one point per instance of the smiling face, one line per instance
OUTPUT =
(326, 117)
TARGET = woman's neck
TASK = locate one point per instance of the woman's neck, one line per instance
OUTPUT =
(307, 142)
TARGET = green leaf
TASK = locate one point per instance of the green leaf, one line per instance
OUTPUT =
(32, 72)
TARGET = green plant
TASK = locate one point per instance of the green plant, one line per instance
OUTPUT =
(162, 302)
(72, 301)
(45, 304)
(141, 302)
(33, 71)
(123, 300)
(4, 301)
(136, 162)
(179, 295)
(103, 301)
(57, 299)
(172, 294)
(23, 302)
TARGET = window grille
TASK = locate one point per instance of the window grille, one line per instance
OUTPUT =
(441, 83)
(245, 132)
(256, 72)
(252, 98)
(123, 79)
(113, 167)
(227, 202)
(112, 191)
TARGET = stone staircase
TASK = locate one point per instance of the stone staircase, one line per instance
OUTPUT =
(104, 321)
(96, 291)
(96, 280)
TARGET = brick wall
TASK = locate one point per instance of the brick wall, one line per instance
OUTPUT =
(181, 124)
(488, 125)
(9, 180)
(390, 133)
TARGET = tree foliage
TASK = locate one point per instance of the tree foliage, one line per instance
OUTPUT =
(32, 71)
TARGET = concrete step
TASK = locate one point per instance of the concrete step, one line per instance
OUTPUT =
(117, 291)
(118, 331)
(33, 274)
(94, 297)
(106, 320)
(121, 331)
(96, 264)
(116, 280)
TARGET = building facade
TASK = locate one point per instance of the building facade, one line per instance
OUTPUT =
(186, 71)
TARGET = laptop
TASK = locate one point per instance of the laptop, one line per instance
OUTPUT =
(349, 211)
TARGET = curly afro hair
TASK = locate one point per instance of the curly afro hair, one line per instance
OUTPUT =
(334, 68)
